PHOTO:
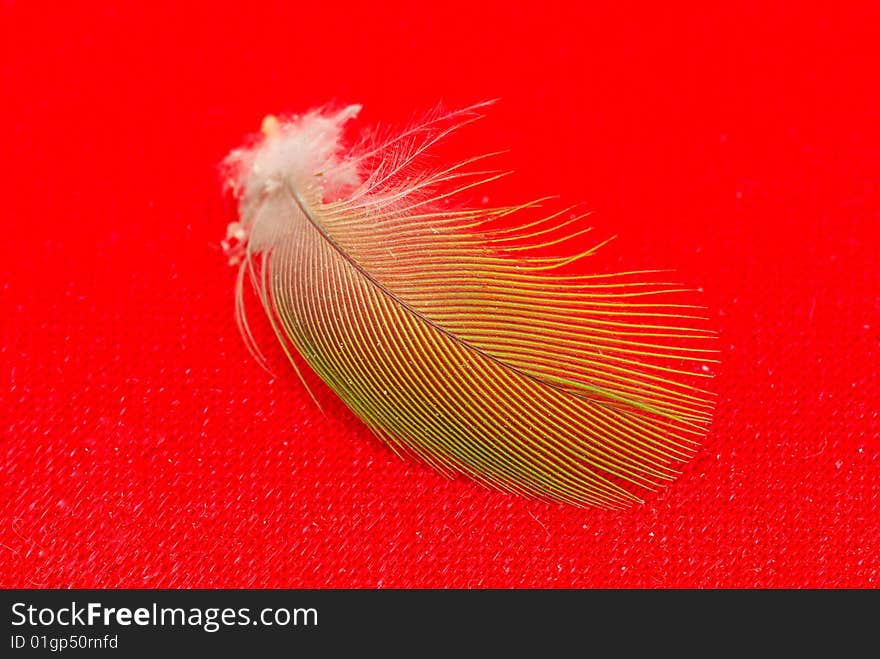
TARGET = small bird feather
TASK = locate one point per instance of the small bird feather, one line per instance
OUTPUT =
(453, 335)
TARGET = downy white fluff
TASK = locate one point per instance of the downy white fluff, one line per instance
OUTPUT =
(303, 152)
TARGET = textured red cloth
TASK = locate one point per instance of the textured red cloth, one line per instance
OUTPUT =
(143, 447)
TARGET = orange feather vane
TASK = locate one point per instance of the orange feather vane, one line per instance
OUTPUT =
(452, 334)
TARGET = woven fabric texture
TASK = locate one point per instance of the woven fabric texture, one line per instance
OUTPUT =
(141, 446)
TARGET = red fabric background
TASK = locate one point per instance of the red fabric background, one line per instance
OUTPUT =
(143, 447)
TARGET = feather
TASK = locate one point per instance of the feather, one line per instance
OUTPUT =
(458, 338)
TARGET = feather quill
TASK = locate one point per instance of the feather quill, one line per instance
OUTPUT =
(455, 337)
